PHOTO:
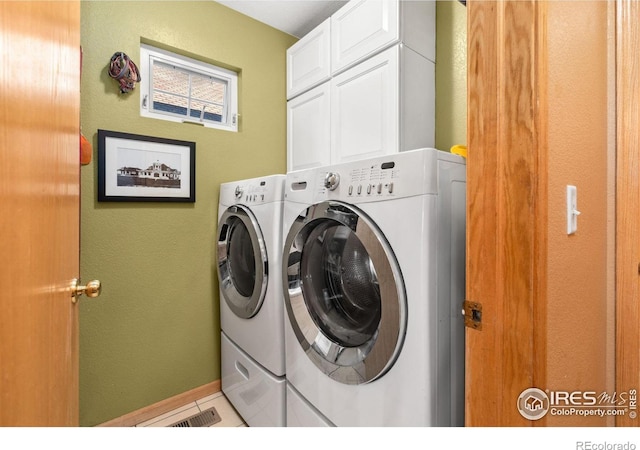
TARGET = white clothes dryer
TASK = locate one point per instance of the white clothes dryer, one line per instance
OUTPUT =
(373, 280)
(249, 250)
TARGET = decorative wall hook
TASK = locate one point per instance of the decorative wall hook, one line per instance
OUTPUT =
(125, 71)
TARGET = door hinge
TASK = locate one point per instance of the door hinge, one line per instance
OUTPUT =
(472, 312)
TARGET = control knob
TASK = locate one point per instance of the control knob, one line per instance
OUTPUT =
(331, 180)
(239, 192)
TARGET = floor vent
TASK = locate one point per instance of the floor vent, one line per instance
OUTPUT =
(206, 418)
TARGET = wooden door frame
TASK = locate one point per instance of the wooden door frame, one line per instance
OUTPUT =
(627, 201)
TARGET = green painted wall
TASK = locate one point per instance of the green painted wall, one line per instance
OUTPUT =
(154, 332)
(451, 74)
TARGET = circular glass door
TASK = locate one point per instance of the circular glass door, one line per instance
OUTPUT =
(242, 261)
(344, 293)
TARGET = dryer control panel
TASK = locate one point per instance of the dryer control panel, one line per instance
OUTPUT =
(251, 194)
(254, 191)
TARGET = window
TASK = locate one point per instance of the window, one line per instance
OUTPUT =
(182, 89)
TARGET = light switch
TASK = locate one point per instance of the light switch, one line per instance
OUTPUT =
(572, 209)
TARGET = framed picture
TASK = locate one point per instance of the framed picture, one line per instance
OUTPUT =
(135, 168)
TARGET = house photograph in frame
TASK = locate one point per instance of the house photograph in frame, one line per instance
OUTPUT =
(135, 168)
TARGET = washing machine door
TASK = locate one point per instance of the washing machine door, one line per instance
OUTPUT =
(242, 261)
(344, 292)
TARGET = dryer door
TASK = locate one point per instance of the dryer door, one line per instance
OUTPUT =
(344, 292)
(242, 261)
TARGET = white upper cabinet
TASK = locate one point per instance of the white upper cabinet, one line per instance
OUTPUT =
(308, 129)
(362, 84)
(309, 60)
(382, 106)
(364, 109)
(362, 28)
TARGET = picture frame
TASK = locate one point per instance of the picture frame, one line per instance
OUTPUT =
(137, 168)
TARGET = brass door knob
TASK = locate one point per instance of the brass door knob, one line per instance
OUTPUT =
(91, 290)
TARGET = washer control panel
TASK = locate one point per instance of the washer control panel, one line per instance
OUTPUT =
(403, 174)
(372, 181)
(362, 181)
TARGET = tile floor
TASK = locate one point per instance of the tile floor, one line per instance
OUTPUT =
(229, 416)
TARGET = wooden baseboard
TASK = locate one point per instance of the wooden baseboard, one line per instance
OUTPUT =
(164, 406)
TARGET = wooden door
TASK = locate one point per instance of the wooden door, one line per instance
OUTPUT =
(39, 212)
(504, 215)
(628, 204)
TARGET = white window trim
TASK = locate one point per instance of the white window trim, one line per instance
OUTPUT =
(149, 53)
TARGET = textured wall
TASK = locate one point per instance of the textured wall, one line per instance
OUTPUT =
(451, 74)
(154, 332)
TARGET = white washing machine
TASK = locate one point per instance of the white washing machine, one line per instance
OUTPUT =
(373, 277)
(300, 413)
(249, 252)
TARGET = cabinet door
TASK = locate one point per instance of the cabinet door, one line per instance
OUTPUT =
(360, 29)
(308, 60)
(308, 129)
(365, 109)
